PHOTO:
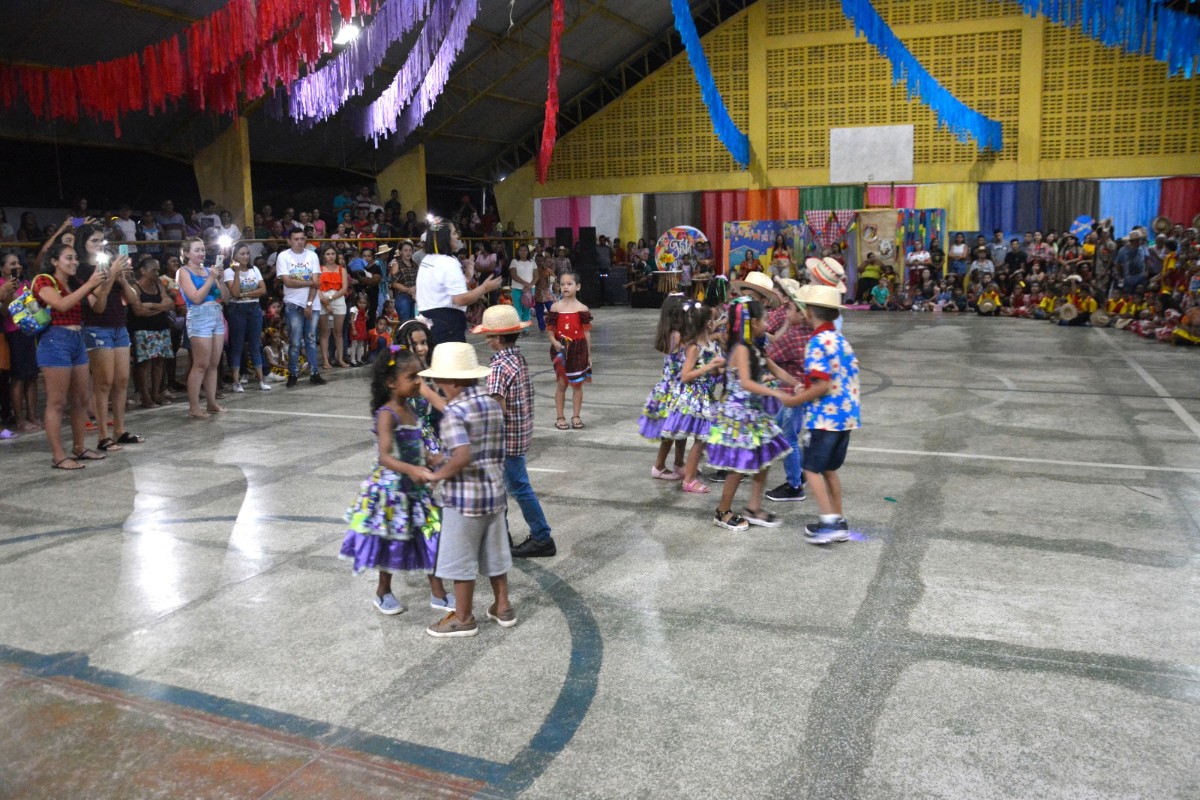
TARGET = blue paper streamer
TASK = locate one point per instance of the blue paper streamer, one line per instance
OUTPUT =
(960, 119)
(1140, 27)
(736, 142)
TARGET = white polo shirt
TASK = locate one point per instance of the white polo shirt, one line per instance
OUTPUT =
(439, 279)
(298, 265)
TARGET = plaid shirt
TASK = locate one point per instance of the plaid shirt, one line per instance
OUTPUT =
(474, 419)
(788, 352)
(510, 380)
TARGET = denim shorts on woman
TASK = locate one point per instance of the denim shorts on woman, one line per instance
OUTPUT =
(104, 338)
(61, 347)
(205, 321)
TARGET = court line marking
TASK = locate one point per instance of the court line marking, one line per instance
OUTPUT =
(1020, 460)
(1171, 402)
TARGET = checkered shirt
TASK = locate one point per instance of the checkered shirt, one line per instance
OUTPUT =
(788, 351)
(510, 380)
(474, 419)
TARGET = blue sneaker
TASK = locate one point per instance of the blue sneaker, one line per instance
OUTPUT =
(388, 604)
(442, 603)
(827, 532)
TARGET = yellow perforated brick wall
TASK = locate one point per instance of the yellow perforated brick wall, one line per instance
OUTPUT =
(660, 126)
(1098, 102)
(816, 16)
(812, 89)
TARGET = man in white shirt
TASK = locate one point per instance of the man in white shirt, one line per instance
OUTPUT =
(300, 271)
(127, 225)
(209, 218)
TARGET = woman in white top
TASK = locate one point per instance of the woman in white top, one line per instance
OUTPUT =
(245, 316)
(523, 272)
(442, 294)
(959, 253)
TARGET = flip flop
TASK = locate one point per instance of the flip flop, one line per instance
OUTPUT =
(87, 455)
(107, 444)
(561, 424)
(576, 422)
(59, 464)
(130, 438)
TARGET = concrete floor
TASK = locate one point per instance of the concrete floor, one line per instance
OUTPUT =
(1021, 621)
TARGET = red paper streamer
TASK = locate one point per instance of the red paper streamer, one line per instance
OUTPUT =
(550, 125)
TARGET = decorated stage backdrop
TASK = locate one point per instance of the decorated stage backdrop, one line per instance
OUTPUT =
(758, 235)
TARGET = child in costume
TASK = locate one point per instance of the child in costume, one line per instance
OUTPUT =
(744, 439)
(569, 325)
(429, 405)
(695, 401)
(667, 341)
(358, 331)
(394, 523)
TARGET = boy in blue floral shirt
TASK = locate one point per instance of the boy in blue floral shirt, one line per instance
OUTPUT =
(831, 411)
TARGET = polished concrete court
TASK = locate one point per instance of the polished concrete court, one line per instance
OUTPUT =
(1017, 616)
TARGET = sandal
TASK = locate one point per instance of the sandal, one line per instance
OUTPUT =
(729, 521)
(695, 487)
(107, 444)
(130, 438)
(87, 455)
(59, 464)
(576, 422)
(561, 424)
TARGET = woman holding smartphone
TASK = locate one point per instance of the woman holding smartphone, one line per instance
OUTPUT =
(245, 285)
(204, 292)
(105, 330)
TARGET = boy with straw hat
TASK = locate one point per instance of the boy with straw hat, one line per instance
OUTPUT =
(474, 534)
(509, 385)
(831, 410)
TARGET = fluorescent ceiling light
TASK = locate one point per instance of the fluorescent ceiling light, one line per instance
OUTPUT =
(346, 34)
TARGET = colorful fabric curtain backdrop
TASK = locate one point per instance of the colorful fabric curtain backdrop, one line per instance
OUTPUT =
(1011, 206)
(826, 227)
(891, 196)
(716, 209)
(565, 212)
(1180, 201)
(1064, 201)
(836, 198)
(960, 201)
(922, 225)
(668, 210)
(605, 215)
(630, 225)
(1130, 202)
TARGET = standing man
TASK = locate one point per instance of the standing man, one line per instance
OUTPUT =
(299, 270)
(171, 224)
(997, 249)
(1131, 262)
(509, 384)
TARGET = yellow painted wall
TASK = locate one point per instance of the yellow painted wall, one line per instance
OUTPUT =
(792, 69)
(406, 174)
(223, 172)
(514, 197)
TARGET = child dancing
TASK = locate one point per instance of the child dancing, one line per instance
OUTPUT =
(668, 342)
(394, 523)
(692, 411)
(569, 325)
(744, 439)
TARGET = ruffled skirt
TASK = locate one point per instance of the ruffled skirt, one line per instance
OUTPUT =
(744, 439)
(390, 529)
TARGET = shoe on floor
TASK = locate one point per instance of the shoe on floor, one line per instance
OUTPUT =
(763, 519)
(292, 381)
(450, 627)
(264, 386)
(239, 389)
(786, 493)
(388, 604)
(730, 521)
(317, 379)
(718, 476)
(827, 532)
(532, 548)
(812, 528)
(664, 474)
(505, 620)
(244, 379)
(442, 603)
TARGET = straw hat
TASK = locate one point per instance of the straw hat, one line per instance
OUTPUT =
(1161, 224)
(454, 361)
(1068, 312)
(826, 271)
(1074, 278)
(986, 306)
(1123, 323)
(1100, 319)
(500, 319)
(384, 250)
(815, 294)
(761, 285)
(794, 291)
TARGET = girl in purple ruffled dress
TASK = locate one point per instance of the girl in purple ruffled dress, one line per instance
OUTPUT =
(394, 522)
(744, 439)
(694, 402)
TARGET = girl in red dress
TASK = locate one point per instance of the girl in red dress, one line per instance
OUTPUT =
(569, 325)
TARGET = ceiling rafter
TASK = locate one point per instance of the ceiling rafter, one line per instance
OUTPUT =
(157, 11)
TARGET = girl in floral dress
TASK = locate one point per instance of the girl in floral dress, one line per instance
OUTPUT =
(668, 341)
(394, 522)
(695, 400)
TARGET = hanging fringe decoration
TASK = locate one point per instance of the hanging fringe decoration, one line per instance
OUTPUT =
(736, 142)
(1139, 27)
(961, 120)
(320, 94)
(403, 105)
(550, 125)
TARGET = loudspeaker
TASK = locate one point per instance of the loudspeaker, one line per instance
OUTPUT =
(563, 238)
(587, 239)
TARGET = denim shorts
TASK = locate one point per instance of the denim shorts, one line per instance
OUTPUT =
(205, 321)
(104, 338)
(61, 347)
(826, 450)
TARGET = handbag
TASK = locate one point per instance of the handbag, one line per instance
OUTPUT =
(30, 316)
(527, 297)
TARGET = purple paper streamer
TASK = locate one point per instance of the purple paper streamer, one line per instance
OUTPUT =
(420, 81)
(320, 94)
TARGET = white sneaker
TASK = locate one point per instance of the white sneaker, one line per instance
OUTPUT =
(238, 388)
(244, 379)
(266, 387)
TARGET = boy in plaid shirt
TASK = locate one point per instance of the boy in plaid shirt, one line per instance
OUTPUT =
(786, 348)
(474, 536)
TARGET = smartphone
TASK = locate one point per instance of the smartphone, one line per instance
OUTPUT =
(220, 261)
(123, 250)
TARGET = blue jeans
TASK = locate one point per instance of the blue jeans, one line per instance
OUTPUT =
(299, 329)
(792, 422)
(245, 327)
(516, 483)
(541, 309)
(405, 306)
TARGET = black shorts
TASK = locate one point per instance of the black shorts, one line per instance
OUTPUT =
(826, 450)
